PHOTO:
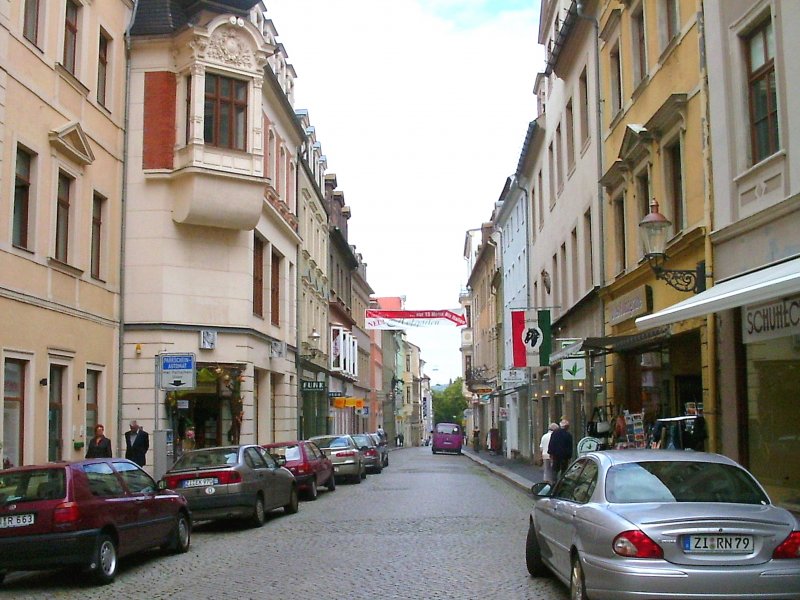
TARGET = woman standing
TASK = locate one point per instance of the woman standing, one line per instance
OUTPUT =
(99, 445)
(546, 460)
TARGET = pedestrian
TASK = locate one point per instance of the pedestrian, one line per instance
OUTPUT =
(99, 445)
(560, 449)
(381, 433)
(137, 443)
(402, 439)
(547, 461)
(476, 439)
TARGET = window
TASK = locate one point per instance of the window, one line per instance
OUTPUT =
(672, 19)
(137, 481)
(643, 193)
(55, 412)
(563, 283)
(570, 119)
(540, 194)
(675, 185)
(551, 175)
(70, 36)
(639, 45)
(559, 157)
(22, 199)
(576, 284)
(97, 234)
(225, 119)
(587, 249)
(583, 93)
(615, 71)
(62, 217)
(92, 399)
(102, 68)
(764, 135)
(30, 25)
(619, 233)
(275, 291)
(103, 483)
(14, 411)
(258, 276)
(188, 110)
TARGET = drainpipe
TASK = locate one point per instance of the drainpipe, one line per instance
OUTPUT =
(123, 203)
(599, 153)
(710, 408)
(301, 430)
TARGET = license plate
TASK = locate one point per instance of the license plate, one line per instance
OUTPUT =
(718, 544)
(17, 520)
(335, 469)
(188, 483)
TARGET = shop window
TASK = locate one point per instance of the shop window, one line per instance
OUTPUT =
(55, 412)
(92, 399)
(14, 375)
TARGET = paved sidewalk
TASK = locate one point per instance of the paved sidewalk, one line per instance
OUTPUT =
(520, 472)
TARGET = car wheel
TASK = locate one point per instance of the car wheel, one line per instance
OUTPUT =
(312, 491)
(357, 478)
(104, 563)
(331, 483)
(2, 577)
(181, 535)
(577, 583)
(378, 470)
(363, 472)
(433, 451)
(533, 554)
(294, 503)
(386, 461)
(259, 514)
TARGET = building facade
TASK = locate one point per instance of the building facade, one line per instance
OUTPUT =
(60, 222)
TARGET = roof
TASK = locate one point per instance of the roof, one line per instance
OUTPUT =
(158, 17)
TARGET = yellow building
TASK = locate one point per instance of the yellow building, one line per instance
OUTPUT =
(62, 94)
(653, 105)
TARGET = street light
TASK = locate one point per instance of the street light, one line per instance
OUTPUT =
(654, 229)
(313, 343)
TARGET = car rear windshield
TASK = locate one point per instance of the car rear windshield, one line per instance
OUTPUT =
(29, 486)
(213, 457)
(363, 440)
(682, 481)
(287, 452)
(447, 428)
(333, 442)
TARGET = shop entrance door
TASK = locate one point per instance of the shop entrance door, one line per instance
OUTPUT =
(206, 417)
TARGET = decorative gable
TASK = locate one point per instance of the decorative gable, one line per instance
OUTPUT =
(72, 141)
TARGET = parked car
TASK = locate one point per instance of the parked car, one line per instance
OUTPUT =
(373, 462)
(309, 465)
(88, 513)
(648, 524)
(383, 448)
(229, 482)
(345, 454)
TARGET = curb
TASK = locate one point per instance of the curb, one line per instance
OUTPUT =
(521, 482)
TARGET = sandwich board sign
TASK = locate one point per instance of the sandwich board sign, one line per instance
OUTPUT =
(177, 371)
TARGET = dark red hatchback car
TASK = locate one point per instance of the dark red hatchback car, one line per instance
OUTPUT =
(87, 513)
(309, 465)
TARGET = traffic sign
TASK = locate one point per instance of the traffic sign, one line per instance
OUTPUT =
(177, 372)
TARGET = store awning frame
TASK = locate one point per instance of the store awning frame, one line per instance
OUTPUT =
(775, 281)
(613, 343)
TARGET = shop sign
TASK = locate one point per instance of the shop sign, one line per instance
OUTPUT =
(335, 394)
(573, 369)
(630, 305)
(514, 376)
(503, 413)
(779, 318)
(312, 386)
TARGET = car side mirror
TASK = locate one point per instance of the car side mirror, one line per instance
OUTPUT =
(281, 460)
(541, 489)
(162, 484)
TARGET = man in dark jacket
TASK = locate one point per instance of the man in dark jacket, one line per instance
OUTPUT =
(137, 443)
(560, 449)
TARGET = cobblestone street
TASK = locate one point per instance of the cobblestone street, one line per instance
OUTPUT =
(431, 527)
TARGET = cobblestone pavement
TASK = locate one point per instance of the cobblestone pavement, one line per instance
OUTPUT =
(429, 527)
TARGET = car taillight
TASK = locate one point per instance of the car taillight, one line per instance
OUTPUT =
(789, 548)
(635, 544)
(300, 469)
(172, 482)
(371, 452)
(345, 454)
(225, 477)
(66, 513)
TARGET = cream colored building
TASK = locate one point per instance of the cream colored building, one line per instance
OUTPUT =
(62, 113)
(211, 228)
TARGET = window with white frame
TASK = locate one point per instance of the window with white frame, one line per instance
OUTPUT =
(225, 112)
(96, 258)
(762, 86)
(102, 68)
(63, 210)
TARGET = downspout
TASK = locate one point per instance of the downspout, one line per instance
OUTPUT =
(710, 408)
(301, 430)
(123, 222)
(599, 154)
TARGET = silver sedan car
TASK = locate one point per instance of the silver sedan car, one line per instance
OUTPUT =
(345, 454)
(656, 524)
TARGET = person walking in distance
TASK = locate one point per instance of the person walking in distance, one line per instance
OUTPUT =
(137, 443)
(560, 449)
(547, 460)
(99, 445)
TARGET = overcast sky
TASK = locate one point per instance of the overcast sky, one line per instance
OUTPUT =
(421, 107)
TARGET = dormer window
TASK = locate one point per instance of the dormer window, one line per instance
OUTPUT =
(225, 119)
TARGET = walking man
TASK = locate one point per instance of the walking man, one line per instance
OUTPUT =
(137, 443)
(560, 449)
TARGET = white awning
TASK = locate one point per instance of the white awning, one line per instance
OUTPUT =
(765, 284)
